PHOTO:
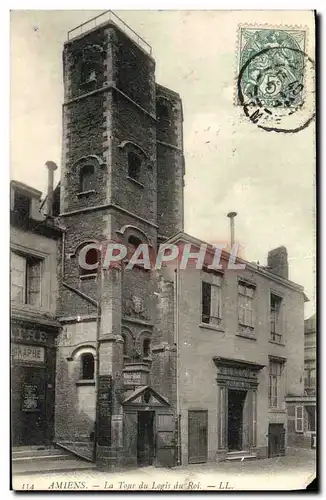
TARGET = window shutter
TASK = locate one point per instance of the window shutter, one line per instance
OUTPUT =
(299, 418)
(18, 278)
(216, 302)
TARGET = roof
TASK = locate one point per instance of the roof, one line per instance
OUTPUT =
(28, 189)
(181, 237)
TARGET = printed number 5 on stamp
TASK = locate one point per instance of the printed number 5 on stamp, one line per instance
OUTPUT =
(275, 84)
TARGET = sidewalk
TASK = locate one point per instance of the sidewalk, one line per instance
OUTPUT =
(293, 471)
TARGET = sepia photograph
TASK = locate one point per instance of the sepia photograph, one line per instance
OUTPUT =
(163, 322)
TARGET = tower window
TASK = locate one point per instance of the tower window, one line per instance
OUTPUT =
(87, 178)
(146, 347)
(87, 366)
(91, 259)
(162, 114)
(89, 75)
(134, 165)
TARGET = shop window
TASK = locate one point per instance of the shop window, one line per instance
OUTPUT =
(87, 366)
(134, 165)
(25, 274)
(87, 178)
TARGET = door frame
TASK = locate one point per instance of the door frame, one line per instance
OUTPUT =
(153, 450)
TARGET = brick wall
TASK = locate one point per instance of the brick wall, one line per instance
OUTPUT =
(74, 403)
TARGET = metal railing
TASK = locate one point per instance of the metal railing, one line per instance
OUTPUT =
(107, 16)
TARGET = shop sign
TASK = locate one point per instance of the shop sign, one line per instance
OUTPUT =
(30, 353)
(24, 333)
(132, 378)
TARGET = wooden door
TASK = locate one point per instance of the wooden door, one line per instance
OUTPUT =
(197, 436)
(165, 449)
(32, 406)
(276, 440)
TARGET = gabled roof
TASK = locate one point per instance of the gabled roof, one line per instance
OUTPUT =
(136, 397)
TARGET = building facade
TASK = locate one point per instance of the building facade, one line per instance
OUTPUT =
(34, 251)
(302, 412)
(170, 365)
(121, 180)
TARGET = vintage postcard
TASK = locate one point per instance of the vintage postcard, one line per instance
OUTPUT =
(162, 250)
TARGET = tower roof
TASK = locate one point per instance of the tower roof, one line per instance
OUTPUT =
(108, 17)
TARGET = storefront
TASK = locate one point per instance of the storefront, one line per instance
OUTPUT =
(32, 382)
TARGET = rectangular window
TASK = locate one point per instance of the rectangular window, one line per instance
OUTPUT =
(25, 279)
(299, 419)
(211, 301)
(310, 377)
(275, 372)
(311, 418)
(246, 293)
(275, 318)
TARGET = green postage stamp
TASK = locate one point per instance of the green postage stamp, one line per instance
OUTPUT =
(271, 73)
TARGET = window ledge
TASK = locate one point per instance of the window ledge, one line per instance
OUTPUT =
(88, 276)
(246, 336)
(212, 327)
(276, 410)
(86, 193)
(276, 343)
(139, 184)
(85, 382)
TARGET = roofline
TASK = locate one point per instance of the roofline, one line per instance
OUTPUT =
(185, 237)
(24, 187)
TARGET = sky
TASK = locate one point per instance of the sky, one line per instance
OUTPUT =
(231, 164)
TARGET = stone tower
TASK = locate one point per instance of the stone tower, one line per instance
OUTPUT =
(122, 180)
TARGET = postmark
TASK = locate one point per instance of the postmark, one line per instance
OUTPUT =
(275, 84)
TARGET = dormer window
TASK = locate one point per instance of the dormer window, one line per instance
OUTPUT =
(22, 205)
(87, 178)
(134, 166)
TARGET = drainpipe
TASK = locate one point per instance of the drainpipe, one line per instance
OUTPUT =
(176, 322)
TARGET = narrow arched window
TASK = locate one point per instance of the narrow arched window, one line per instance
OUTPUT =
(134, 242)
(162, 112)
(91, 258)
(134, 165)
(87, 366)
(87, 178)
(146, 347)
(125, 347)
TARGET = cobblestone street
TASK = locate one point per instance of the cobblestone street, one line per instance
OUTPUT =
(294, 471)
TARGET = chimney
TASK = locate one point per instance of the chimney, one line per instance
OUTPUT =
(51, 166)
(277, 262)
(231, 216)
